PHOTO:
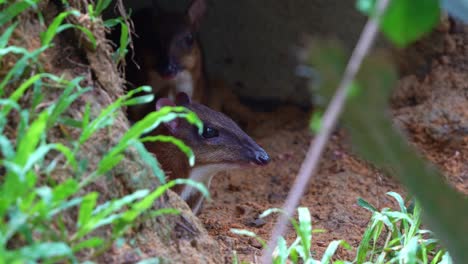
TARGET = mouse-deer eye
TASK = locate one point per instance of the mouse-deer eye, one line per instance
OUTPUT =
(189, 40)
(209, 132)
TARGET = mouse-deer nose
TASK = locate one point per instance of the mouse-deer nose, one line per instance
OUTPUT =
(261, 157)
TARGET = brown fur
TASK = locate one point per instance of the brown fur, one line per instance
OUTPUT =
(191, 62)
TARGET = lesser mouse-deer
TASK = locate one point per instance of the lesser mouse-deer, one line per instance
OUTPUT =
(222, 145)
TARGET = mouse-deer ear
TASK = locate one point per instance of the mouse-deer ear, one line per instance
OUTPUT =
(173, 124)
(196, 11)
(182, 99)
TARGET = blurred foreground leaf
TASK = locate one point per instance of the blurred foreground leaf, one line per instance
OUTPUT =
(405, 21)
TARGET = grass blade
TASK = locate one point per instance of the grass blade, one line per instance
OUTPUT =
(14, 10)
(179, 143)
(54, 27)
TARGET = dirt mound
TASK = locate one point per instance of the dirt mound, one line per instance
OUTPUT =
(179, 238)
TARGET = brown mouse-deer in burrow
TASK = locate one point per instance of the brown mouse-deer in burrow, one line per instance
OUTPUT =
(221, 146)
(167, 54)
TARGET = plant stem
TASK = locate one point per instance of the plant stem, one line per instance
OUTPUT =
(317, 146)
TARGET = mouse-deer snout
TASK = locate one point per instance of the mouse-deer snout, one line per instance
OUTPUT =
(261, 157)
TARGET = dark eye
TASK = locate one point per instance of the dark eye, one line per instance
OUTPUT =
(209, 132)
(188, 39)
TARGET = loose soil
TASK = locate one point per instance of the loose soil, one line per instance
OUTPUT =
(430, 104)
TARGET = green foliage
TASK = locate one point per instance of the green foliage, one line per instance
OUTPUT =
(14, 10)
(405, 21)
(124, 40)
(101, 5)
(56, 28)
(300, 250)
(390, 237)
(374, 137)
(33, 202)
(316, 121)
(404, 240)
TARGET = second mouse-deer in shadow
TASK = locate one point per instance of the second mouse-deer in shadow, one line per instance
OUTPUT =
(221, 146)
(167, 54)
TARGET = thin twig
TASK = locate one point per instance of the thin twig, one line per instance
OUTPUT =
(309, 166)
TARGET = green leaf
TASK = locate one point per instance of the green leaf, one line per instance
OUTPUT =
(147, 202)
(331, 249)
(64, 190)
(53, 29)
(363, 247)
(282, 251)
(140, 100)
(20, 65)
(16, 95)
(101, 6)
(365, 6)
(164, 211)
(271, 211)
(116, 205)
(64, 205)
(45, 192)
(6, 35)
(305, 229)
(105, 117)
(408, 253)
(28, 145)
(148, 123)
(86, 209)
(66, 99)
(446, 259)
(108, 163)
(40, 153)
(400, 201)
(316, 121)
(406, 21)
(353, 90)
(398, 216)
(150, 160)
(179, 143)
(124, 40)
(6, 147)
(16, 220)
(69, 155)
(13, 10)
(364, 204)
(243, 232)
(45, 250)
(88, 34)
(112, 22)
(437, 257)
(143, 205)
(93, 242)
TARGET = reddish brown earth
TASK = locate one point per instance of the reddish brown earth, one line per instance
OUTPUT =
(430, 104)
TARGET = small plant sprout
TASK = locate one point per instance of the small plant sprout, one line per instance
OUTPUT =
(298, 251)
